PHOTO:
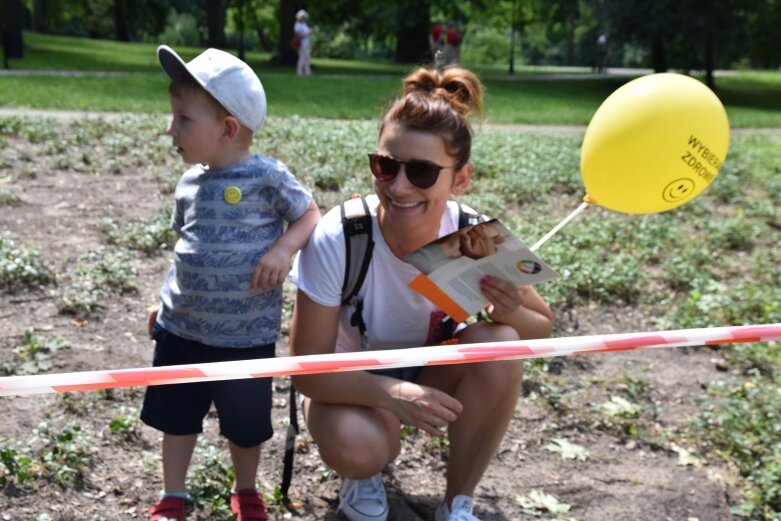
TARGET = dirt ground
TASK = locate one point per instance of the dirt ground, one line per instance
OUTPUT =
(629, 474)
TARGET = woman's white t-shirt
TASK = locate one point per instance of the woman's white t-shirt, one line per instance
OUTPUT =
(302, 28)
(395, 315)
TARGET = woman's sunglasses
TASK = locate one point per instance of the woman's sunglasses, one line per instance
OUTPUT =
(422, 174)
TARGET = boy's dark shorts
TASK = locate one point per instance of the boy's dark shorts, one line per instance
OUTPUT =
(243, 406)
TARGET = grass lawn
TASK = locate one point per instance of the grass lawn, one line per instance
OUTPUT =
(338, 89)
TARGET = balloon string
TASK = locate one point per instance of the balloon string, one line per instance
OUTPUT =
(561, 225)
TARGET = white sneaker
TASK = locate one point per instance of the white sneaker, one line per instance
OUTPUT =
(363, 499)
(460, 510)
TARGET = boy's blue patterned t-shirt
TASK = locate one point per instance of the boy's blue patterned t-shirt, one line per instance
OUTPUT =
(227, 220)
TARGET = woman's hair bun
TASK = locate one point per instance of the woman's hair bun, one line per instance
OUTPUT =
(460, 88)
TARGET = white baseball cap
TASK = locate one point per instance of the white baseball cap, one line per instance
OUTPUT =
(301, 14)
(228, 79)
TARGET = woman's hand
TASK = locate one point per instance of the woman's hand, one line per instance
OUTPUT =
(520, 308)
(503, 296)
(426, 408)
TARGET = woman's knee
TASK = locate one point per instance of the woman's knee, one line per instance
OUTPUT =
(354, 445)
(488, 332)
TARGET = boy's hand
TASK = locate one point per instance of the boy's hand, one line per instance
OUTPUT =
(271, 270)
(150, 324)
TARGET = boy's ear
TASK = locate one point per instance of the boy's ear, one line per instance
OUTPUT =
(231, 127)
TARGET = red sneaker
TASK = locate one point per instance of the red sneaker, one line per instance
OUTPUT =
(248, 506)
(168, 508)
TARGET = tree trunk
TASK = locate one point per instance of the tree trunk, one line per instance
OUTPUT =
(40, 25)
(121, 29)
(412, 27)
(709, 81)
(240, 23)
(216, 11)
(658, 54)
(266, 43)
(568, 58)
(11, 28)
(287, 18)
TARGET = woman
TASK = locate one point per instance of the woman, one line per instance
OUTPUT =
(421, 163)
(302, 32)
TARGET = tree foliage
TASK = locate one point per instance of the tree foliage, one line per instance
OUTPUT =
(663, 34)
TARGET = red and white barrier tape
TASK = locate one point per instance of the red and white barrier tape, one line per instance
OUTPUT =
(383, 359)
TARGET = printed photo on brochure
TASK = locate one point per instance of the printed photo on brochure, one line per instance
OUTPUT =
(451, 267)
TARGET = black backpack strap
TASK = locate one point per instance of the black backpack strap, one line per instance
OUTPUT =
(357, 223)
(290, 448)
(468, 217)
(359, 246)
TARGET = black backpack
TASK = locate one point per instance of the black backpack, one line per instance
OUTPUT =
(359, 246)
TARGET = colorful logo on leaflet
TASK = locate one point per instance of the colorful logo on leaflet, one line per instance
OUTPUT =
(528, 267)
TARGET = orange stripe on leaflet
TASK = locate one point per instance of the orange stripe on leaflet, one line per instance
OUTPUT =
(439, 298)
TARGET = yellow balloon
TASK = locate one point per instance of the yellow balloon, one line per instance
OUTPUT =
(655, 143)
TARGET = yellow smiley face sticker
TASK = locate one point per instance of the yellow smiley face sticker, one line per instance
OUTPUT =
(232, 195)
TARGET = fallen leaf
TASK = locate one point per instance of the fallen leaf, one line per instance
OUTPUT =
(539, 501)
(567, 449)
(685, 457)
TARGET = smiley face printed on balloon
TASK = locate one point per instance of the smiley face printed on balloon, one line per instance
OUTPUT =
(528, 267)
(678, 190)
(232, 195)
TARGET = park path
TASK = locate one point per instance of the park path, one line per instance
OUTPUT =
(67, 115)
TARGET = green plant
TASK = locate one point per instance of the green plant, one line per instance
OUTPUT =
(744, 426)
(63, 455)
(10, 197)
(149, 235)
(16, 465)
(736, 233)
(20, 266)
(437, 445)
(210, 481)
(125, 424)
(106, 272)
(33, 355)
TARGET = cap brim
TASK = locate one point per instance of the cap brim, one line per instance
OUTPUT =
(172, 63)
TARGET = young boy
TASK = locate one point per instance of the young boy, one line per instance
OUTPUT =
(222, 297)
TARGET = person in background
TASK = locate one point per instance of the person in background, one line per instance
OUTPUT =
(420, 165)
(303, 32)
(436, 40)
(601, 54)
(452, 43)
(222, 298)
